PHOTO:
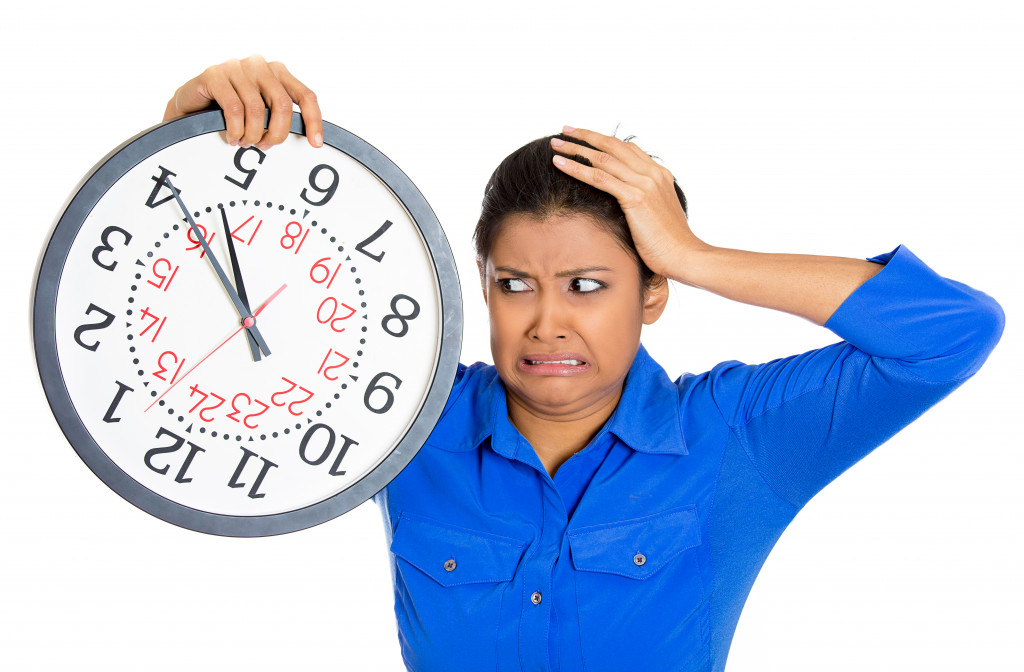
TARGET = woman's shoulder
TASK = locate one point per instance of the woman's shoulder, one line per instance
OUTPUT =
(470, 380)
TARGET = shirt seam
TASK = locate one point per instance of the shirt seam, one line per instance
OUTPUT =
(901, 364)
(900, 361)
(746, 450)
(786, 400)
(711, 557)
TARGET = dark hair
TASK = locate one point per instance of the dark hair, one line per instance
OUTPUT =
(527, 182)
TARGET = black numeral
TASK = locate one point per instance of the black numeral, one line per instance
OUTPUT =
(361, 246)
(327, 191)
(254, 490)
(107, 247)
(121, 389)
(160, 183)
(389, 396)
(403, 318)
(326, 452)
(177, 443)
(249, 172)
(108, 319)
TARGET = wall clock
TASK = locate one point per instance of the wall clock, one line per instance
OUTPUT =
(241, 342)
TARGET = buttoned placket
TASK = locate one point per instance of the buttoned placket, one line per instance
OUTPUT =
(536, 587)
(539, 638)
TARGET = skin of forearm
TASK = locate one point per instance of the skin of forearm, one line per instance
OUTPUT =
(810, 286)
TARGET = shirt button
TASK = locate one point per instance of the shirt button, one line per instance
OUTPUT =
(536, 598)
(639, 559)
(449, 565)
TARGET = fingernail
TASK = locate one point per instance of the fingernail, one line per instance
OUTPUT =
(318, 139)
(568, 129)
(559, 160)
(243, 144)
(264, 146)
(556, 142)
(233, 142)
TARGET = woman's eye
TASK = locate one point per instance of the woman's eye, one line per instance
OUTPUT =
(585, 285)
(512, 285)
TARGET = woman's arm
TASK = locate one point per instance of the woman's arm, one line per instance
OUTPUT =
(807, 285)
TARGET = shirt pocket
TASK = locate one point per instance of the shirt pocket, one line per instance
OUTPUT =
(640, 592)
(449, 585)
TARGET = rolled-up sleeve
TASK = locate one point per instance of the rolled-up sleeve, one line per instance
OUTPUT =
(910, 337)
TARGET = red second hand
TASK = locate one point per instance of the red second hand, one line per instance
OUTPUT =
(251, 322)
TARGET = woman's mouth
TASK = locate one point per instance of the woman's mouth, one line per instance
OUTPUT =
(555, 364)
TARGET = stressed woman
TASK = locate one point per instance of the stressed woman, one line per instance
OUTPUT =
(575, 508)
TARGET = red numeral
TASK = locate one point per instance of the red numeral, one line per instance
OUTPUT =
(233, 415)
(156, 320)
(309, 395)
(333, 305)
(248, 402)
(245, 419)
(274, 397)
(324, 369)
(164, 369)
(241, 226)
(195, 242)
(162, 277)
(194, 391)
(292, 237)
(328, 277)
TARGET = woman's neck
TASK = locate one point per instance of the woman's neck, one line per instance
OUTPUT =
(555, 438)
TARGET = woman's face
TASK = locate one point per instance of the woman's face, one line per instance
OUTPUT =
(566, 310)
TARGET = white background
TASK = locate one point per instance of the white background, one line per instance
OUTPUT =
(822, 128)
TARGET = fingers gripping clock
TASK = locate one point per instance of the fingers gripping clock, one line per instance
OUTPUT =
(243, 342)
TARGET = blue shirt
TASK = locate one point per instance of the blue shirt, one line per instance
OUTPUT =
(642, 549)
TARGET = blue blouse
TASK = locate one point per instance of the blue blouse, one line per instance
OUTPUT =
(642, 549)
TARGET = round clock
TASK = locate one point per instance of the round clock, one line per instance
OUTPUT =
(242, 342)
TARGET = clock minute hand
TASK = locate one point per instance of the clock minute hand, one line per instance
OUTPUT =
(254, 347)
(247, 318)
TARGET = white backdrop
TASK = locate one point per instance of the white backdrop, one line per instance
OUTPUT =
(821, 128)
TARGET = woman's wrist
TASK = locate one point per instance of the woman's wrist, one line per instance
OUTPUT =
(682, 263)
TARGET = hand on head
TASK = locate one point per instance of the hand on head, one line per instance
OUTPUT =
(653, 204)
(243, 89)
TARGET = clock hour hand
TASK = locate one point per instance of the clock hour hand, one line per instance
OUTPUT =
(254, 347)
(248, 320)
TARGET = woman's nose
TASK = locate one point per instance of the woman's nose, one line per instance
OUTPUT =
(550, 322)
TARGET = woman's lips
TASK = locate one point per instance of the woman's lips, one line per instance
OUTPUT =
(554, 364)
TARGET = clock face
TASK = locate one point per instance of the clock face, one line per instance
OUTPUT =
(352, 340)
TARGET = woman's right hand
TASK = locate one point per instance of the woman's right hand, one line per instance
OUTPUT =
(243, 89)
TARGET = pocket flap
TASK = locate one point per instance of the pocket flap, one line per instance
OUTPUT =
(635, 548)
(455, 555)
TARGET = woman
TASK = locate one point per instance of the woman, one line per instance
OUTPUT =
(576, 509)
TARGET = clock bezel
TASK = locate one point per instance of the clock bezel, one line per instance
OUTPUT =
(85, 197)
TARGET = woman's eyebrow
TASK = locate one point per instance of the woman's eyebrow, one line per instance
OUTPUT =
(572, 272)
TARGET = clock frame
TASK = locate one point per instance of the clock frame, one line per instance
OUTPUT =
(85, 198)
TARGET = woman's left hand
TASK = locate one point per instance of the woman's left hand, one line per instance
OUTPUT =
(645, 192)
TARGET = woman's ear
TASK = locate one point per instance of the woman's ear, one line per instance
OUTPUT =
(655, 299)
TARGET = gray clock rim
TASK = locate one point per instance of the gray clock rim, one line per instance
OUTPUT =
(85, 197)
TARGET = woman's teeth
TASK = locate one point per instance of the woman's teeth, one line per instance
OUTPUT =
(571, 362)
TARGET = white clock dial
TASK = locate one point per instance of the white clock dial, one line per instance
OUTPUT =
(343, 288)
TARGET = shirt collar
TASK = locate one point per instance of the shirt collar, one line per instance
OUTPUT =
(647, 419)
